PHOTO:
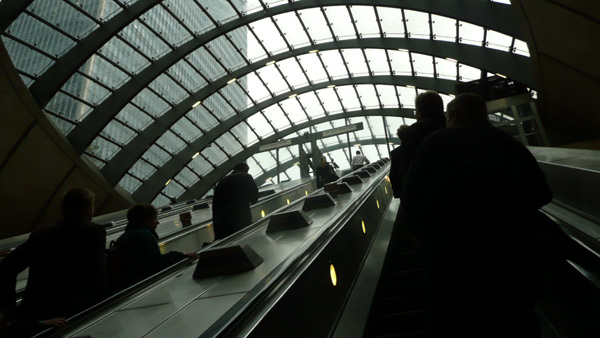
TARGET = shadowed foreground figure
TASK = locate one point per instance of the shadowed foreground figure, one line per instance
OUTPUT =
(325, 173)
(65, 261)
(472, 196)
(231, 202)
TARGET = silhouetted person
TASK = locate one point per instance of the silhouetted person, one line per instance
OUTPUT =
(325, 173)
(429, 109)
(394, 157)
(65, 260)
(137, 248)
(358, 161)
(472, 195)
(231, 202)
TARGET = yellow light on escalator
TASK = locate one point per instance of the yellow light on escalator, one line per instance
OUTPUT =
(287, 200)
(377, 201)
(385, 190)
(306, 192)
(333, 275)
(363, 226)
(262, 213)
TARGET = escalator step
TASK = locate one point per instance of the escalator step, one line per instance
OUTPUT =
(414, 334)
(400, 322)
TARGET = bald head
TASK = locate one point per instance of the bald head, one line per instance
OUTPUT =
(467, 108)
(429, 104)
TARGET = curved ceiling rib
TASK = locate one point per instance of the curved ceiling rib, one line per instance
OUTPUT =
(290, 163)
(44, 88)
(153, 185)
(514, 66)
(487, 14)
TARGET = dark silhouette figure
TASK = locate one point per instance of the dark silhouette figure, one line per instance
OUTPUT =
(231, 202)
(394, 154)
(325, 173)
(65, 260)
(430, 117)
(137, 248)
(358, 161)
(472, 196)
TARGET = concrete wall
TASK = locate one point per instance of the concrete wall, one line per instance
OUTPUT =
(564, 44)
(37, 164)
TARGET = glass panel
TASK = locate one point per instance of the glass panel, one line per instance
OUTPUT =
(315, 23)
(85, 89)
(265, 28)
(468, 73)
(334, 64)
(224, 51)
(129, 183)
(174, 189)
(257, 91)
(40, 35)
(142, 169)
(348, 96)
(236, 96)
(294, 75)
(156, 156)
(255, 169)
(186, 177)
(119, 52)
(186, 129)
(312, 65)
(25, 59)
(400, 62)
(266, 160)
(378, 61)
(376, 124)
(117, 132)
(293, 110)
(67, 107)
(444, 28)
(190, 14)
(207, 65)
(218, 107)
(356, 62)
(277, 117)
(498, 41)
(391, 21)
(329, 99)
(260, 124)
(160, 200)
(220, 11)
(366, 22)
(291, 27)
(370, 152)
(187, 76)
(102, 148)
(423, 65)
(273, 79)
(151, 103)
(368, 96)
(202, 117)
(417, 24)
(215, 155)
(387, 95)
(241, 132)
(100, 69)
(251, 138)
(446, 69)
(228, 143)
(339, 157)
(521, 48)
(200, 165)
(170, 142)
(340, 21)
(407, 96)
(64, 126)
(255, 51)
(470, 34)
(167, 26)
(168, 89)
(65, 16)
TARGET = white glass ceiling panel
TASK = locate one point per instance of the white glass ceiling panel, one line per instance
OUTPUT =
(423, 65)
(168, 89)
(284, 155)
(498, 41)
(255, 52)
(186, 129)
(407, 96)
(387, 95)
(330, 100)
(207, 65)
(312, 65)
(255, 169)
(292, 29)
(168, 27)
(257, 91)
(186, 177)
(443, 28)
(315, 23)
(470, 34)
(236, 96)
(101, 70)
(277, 117)
(469, 73)
(85, 89)
(102, 148)
(446, 69)
(364, 133)
(142, 37)
(40, 35)
(224, 52)
(293, 73)
(293, 172)
(119, 52)
(64, 126)
(117, 132)
(151, 103)
(521, 48)
(200, 165)
(67, 107)
(340, 21)
(378, 61)
(391, 21)
(202, 117)
(394, 123)
(174, 189)
(376, 124)
(339, 157)
(129, 183)
(334, 64)
(264, 28)
(142, 169)
(400, 62)
(366, 21)
(273, 79)
(266, 160)
(251, 138)
(187, 76)
(294, 111)
(368, 96)
(370, 152)
(170, 142)
(34, 64)
(219, 107)
(190, 14)
(215, 155)
(219, 10)
(229, 144)
(417, 24)
(77, 24)
(260, 125)
(348, 97)
(356, 62)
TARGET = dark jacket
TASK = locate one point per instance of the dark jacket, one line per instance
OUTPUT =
(231, 203)
(66, 270)
(139, 255)
(325, 174)
(402, 156)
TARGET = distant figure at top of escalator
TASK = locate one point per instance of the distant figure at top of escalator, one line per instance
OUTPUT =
(429, 109)
(231, 202)
(472, 196)
(137, 248)
(325, 173)
(65, 261)
(358, 161)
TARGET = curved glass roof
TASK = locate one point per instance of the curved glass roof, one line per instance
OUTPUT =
(165, 96)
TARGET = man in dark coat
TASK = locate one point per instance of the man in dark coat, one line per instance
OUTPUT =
(66, 264)
(472, 196)
(137, 248)
(430, 117)
(231, 202)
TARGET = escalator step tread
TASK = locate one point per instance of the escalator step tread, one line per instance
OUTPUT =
(412, 334)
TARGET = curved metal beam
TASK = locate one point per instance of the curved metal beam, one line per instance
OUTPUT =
(487, 14)
(287, 164)
(46, 86)
(514, 66)
(154, 184)
(10, 11)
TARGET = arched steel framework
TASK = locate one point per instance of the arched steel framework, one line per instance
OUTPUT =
(485, 14)
(152, 187)
(514, 66)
